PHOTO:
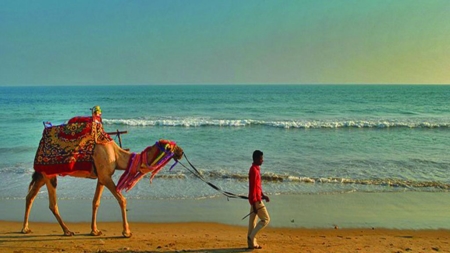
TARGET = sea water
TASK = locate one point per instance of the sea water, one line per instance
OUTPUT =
(316, 139)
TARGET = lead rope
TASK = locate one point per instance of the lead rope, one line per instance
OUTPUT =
(200, 176)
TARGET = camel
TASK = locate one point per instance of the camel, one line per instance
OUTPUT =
(107, 158)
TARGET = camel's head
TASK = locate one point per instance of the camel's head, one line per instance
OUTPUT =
(170, 146)
(173, 147)
(178, 153)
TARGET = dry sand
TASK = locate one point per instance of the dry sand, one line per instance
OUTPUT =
(214, 237)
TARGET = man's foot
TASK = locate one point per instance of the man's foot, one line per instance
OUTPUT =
(251, 245)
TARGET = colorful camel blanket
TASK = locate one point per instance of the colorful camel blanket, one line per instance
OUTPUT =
(152, 159)
(67, 148)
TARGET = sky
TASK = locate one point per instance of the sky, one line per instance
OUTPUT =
(106, 42)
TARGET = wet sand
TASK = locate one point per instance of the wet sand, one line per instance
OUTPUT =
(403, 210)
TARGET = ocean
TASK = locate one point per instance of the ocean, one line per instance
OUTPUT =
(316, 139)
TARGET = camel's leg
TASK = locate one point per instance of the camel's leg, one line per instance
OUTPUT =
(36, 183)
(95, 206)
(122, 203)
(51, 187)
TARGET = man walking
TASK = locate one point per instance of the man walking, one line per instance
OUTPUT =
(255, 197)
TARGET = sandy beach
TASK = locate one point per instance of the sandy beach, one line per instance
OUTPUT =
(214, 237)
(357, 222)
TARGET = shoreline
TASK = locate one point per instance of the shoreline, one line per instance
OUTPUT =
(399, 210)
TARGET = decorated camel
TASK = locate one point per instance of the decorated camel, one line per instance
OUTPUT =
(82, 149)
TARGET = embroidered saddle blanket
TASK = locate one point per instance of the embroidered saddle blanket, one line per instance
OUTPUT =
(67, 148)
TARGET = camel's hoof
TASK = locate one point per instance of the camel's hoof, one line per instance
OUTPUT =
(26, 231)
(69, 233)
(96, 232)
(127, 234)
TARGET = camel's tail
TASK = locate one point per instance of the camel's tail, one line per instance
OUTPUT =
(34, 178)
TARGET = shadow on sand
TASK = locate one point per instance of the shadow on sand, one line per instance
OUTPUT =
(18, 236)
(224, 250)
(51, 237)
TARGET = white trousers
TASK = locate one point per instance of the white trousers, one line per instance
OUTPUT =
(253, 226)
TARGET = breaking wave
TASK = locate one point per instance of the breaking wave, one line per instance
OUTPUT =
(284, 178)
(295, 124)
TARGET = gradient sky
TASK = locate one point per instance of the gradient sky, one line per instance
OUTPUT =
(224, 42)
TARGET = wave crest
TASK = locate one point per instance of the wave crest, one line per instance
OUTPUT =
(285, 178)
(295, 124)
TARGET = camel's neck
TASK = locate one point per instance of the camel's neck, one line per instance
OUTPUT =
(122, 158)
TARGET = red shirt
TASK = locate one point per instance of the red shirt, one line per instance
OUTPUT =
(255, 189)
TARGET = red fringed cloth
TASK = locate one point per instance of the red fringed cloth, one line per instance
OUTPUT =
(139, 165)
(67, 148)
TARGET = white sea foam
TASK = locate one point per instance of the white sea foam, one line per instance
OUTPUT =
(300, 124)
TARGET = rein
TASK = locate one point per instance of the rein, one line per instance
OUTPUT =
(196, 173)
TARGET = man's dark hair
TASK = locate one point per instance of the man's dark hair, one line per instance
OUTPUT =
(257, 154)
